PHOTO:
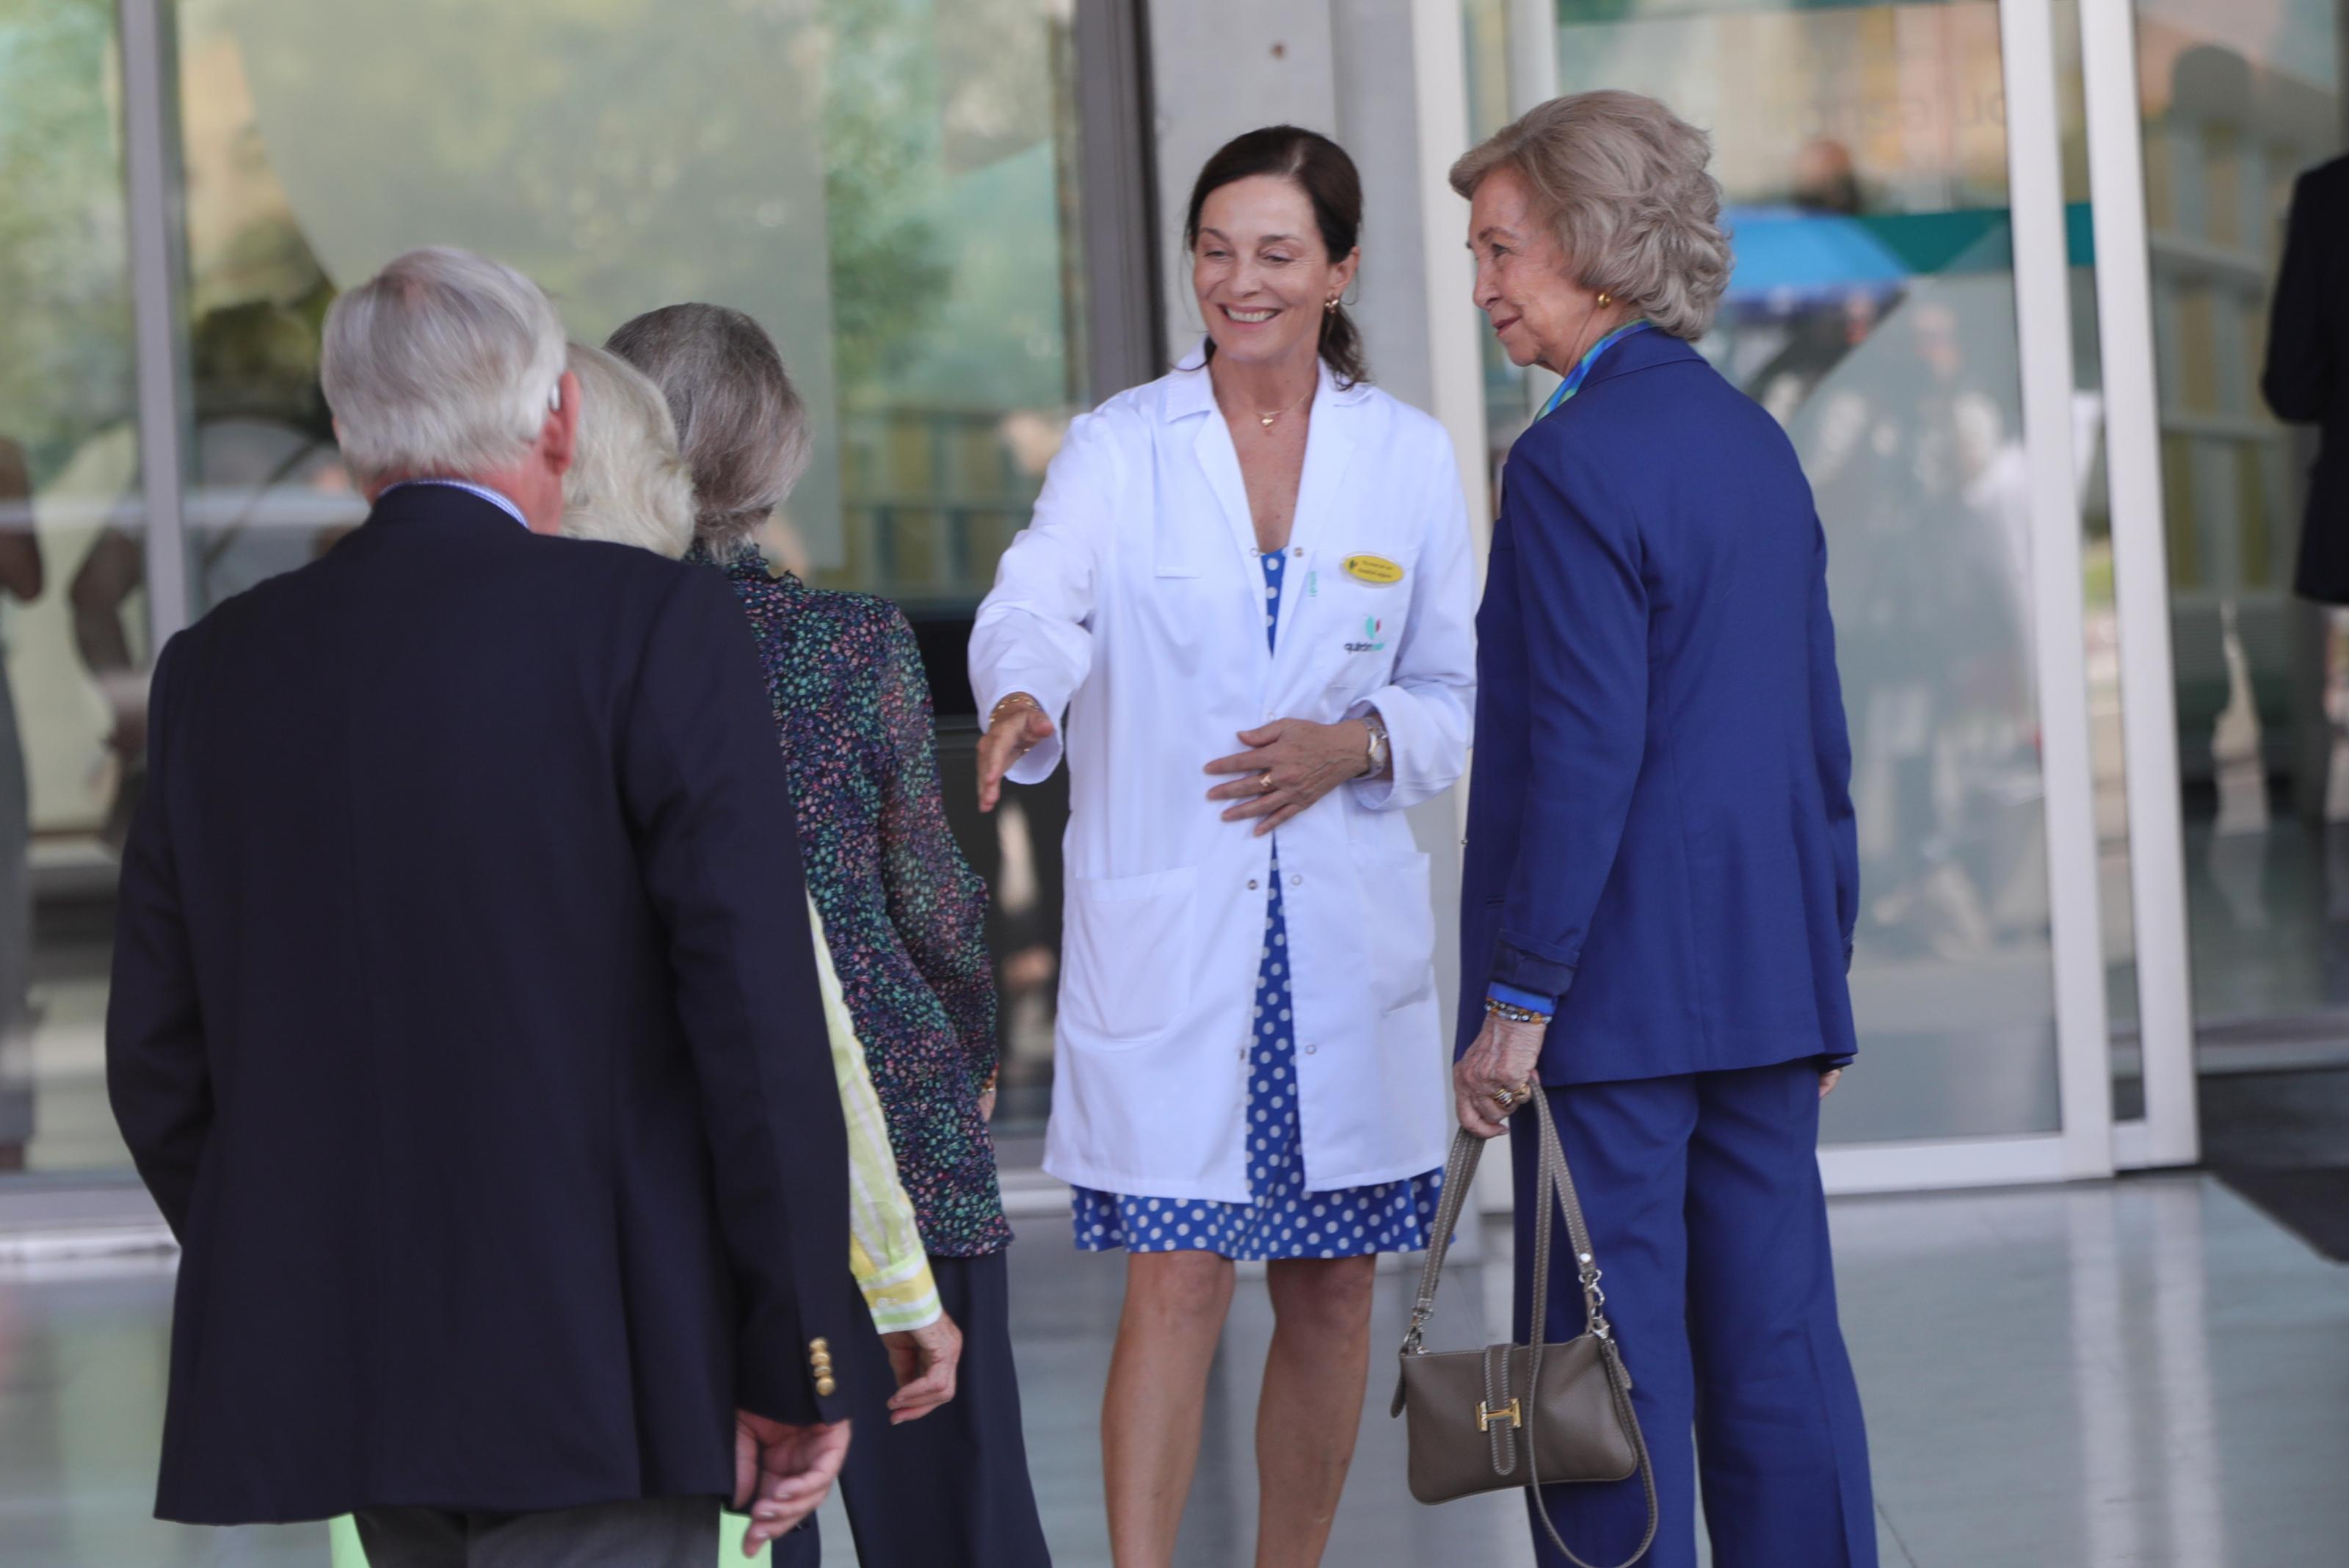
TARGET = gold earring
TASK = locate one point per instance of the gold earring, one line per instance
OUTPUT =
(1605, 297)
(1330, 303)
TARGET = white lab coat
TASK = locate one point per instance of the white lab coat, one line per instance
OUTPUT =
(1133, 607)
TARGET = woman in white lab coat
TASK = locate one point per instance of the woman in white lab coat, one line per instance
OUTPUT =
(1247, 592)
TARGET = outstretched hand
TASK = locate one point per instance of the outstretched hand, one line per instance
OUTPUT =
(782, 1473)
(1017, 731)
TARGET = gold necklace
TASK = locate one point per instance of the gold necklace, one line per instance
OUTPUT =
(1266, 420)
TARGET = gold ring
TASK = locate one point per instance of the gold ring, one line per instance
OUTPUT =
(1505, 1098)
(1264, 782)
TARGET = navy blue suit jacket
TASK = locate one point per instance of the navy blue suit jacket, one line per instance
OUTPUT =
(465, 1026)
(1660, 832)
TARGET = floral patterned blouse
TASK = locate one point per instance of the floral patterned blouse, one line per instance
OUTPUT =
(902, 909)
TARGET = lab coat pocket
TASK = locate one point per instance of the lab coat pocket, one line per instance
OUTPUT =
(1399, 915)
(1369, 626)
(1127, 951)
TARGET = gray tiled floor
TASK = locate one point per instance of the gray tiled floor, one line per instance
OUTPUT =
(2109, 1376)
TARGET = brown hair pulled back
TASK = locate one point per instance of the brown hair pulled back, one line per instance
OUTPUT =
(1320, 168)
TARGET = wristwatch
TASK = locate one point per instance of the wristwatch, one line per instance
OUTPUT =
(1380, 753)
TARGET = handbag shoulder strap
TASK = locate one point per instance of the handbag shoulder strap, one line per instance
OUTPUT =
(1556, 1187)
(1459, 1175)
(1554, 1192)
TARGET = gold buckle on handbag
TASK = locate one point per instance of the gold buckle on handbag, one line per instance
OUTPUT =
(1486, 1415)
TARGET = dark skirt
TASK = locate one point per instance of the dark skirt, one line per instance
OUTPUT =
(951, 1489)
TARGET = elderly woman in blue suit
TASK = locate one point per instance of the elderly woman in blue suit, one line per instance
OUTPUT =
(1662, 869)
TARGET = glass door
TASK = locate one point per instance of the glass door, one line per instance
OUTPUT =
(2236, 102)
(70, 432)
(2202, 114)
(1902, 305)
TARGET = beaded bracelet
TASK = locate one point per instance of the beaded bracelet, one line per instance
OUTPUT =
(1494, 1007)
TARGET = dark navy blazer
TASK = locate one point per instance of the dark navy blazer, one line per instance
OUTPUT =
(466, 1028)
(1660, 831)
(2308, 342)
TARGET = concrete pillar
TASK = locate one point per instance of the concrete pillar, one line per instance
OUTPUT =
(1218, 67)
(1386, 78)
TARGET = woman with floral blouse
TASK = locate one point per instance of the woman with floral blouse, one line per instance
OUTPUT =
(902, 913)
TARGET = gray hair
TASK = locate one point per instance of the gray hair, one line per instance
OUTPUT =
(442, 363)
(740, 422)
(626, 484)
(1622, 179)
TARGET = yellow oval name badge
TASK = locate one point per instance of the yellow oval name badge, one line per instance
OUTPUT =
(1373, 569)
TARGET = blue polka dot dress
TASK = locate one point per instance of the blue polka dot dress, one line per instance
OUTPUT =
(1282, 1219)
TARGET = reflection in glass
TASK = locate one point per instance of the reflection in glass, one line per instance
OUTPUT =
(68, 469)
(2237, 100)
(887, 185)
(20, 580)
(1511, 395)
(1863, 155)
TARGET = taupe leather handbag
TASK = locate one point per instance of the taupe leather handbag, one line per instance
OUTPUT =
(1521, 1415)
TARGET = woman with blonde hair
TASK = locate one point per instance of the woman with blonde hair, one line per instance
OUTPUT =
(1662, 871)
(903, 916)
(629, 484)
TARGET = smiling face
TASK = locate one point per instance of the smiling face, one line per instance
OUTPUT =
(1524, 282)
(1261, 271)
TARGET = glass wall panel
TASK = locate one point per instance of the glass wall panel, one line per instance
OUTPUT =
(1863, 152)
(887, 185)
(69, 475)
(1490, 47)
(2237, 100)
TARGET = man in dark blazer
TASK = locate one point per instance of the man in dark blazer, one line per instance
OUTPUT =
(2308, 333)
(465, 1021)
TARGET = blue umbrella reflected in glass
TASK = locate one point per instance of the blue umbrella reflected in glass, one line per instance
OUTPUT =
(1787, 258)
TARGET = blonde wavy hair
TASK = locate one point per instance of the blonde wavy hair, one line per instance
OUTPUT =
(628, 484)
(1622, 181)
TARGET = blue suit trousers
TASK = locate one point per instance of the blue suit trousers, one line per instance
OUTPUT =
(1707, 1218)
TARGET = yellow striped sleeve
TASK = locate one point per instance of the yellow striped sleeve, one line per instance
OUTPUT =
(884, 1245)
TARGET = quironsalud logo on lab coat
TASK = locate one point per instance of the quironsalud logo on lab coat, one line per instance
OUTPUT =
(1371, 642)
